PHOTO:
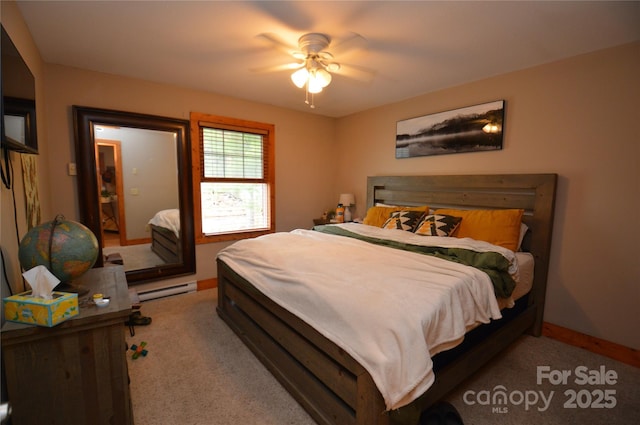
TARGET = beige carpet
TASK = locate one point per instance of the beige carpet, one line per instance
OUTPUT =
(197, 372)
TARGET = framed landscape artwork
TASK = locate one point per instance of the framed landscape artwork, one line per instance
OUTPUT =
(471, 129)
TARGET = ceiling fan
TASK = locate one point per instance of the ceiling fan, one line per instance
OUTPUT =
(315, 64)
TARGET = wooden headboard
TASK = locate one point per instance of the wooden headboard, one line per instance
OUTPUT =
(534, 193)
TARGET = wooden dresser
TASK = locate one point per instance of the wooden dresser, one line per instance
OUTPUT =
(76, 372)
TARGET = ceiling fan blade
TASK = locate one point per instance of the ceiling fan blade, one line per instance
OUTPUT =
(325, 56)
(330, 66)
(359, 73)
(299, 55)
(277, 43)
(353, 42)
(277, 68)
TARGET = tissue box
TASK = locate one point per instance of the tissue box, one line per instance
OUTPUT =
(23, 308)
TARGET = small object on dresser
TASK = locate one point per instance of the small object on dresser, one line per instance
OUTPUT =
(340, 214)
(100, 300)
(347, 214)
(346, 200)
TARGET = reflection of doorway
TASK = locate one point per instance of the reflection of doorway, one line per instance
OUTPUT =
(110, 188)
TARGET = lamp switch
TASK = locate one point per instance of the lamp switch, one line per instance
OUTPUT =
(71, 169)
(134, 191)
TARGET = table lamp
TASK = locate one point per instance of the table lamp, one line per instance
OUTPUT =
(347, 199)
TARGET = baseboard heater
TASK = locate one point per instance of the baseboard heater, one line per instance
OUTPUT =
(167, 291)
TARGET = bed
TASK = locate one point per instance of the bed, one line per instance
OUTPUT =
(326, 379)
(165, 235)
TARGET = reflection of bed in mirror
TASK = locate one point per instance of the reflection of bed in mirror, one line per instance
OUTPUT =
(165, 235)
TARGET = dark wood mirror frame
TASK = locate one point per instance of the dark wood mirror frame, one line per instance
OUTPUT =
(90, 215)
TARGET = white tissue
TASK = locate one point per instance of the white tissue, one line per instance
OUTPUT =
(41, 281)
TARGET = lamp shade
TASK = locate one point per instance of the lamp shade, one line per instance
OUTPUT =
(315, 77)
(299, 77)
(323, 77)
(347, 199)
(315, 84)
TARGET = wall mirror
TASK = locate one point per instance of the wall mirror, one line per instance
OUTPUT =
(135, 191)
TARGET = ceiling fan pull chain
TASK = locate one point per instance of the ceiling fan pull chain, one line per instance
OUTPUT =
(306, 100)
(311, 104)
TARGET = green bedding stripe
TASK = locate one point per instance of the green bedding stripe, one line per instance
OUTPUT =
(492, 263)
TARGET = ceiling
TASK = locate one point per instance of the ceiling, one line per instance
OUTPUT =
(412, 47)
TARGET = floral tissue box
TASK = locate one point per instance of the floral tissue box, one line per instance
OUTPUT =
(23, 308)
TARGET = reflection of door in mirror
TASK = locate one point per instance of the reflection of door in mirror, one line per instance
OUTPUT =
(114, 227)
(137, 171)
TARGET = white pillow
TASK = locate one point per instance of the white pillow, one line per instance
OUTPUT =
(523, 232)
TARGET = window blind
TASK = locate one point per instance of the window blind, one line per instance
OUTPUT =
(230, 154)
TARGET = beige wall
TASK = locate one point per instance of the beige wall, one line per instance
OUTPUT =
(16, 28)
(305, 143)
(578, 118)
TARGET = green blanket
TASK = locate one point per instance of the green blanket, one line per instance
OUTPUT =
(492, 263)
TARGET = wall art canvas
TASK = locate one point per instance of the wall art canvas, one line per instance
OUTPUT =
(471, 129)
(32, 200)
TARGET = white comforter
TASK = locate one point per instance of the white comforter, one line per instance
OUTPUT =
(391, 310)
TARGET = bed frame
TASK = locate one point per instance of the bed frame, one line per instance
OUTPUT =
(166, 244)
(331, 386)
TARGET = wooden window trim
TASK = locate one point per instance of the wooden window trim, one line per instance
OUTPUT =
(198, 119)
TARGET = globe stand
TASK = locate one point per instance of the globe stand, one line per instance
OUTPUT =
(74, 289)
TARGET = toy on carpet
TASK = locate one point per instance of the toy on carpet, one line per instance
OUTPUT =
(139, 350)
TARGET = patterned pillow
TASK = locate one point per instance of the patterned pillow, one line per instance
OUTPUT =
(437, 225)
(376, 216)
(403, 220)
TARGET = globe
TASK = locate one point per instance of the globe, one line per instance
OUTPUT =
(66, 248)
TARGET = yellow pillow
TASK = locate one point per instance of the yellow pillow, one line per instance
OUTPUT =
(376, 216)
(499, 227)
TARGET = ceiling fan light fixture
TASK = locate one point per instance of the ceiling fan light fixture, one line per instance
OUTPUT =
(333, 67)
(323, 77)
(316, 72)
(300, 77)
(314, 88)
(313, 77)
(315, 84)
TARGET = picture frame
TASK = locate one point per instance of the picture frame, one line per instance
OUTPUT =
(476, 128)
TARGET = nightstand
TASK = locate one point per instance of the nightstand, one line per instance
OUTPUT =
(75, 372)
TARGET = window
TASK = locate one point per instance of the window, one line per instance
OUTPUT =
(233, 178)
